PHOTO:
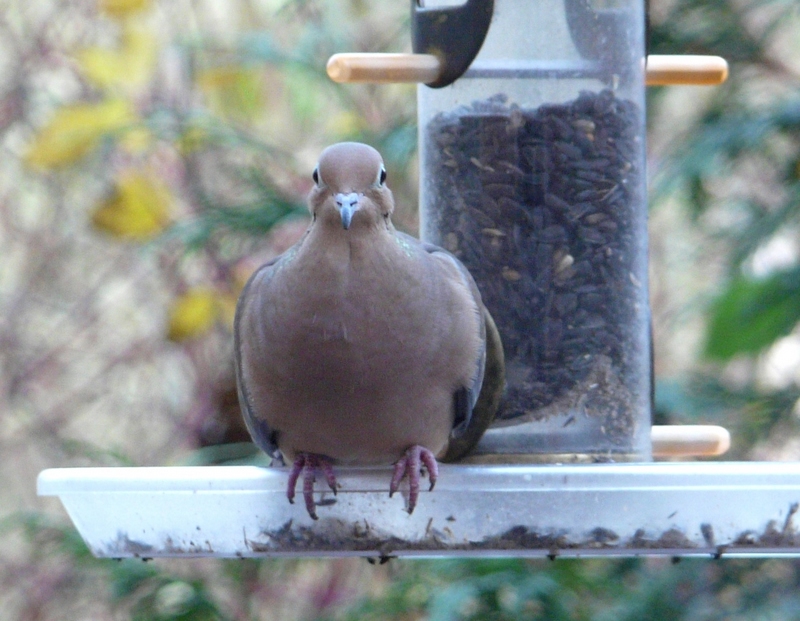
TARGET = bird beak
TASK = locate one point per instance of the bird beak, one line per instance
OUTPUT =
(348, 205)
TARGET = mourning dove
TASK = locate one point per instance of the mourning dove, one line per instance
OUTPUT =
(362, 345)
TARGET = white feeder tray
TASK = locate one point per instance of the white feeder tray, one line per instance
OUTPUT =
(718, 508)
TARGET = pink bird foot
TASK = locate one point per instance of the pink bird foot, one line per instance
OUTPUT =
(308, 464)
(409, 465)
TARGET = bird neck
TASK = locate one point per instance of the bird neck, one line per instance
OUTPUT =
(360, 234)
(336, 252)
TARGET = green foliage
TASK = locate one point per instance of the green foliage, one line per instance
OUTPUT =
(254, 219)
(716, 27)
(585, 590)
(752, 314)
(735, 171)
(725, 136)
(453, 589)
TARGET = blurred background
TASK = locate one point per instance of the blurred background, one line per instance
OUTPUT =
(153, 152)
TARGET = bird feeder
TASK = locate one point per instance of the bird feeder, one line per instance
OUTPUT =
(532, 173)
(532, 170)
(532, 149)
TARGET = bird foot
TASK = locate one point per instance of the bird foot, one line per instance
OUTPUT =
(307, 464)
(409, 465)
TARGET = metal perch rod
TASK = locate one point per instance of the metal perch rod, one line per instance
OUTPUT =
(661, 70)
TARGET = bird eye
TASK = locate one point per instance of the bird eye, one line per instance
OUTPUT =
(315, 176)
(382, 176)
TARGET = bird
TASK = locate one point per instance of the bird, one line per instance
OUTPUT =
(362, 345)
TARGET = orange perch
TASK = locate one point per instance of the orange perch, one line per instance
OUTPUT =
(689, 440)
(424, 68)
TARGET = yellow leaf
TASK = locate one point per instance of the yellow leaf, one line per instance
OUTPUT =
(122, 8)
(136, 140)
(128, 68)
(137, 210)
(192, 138)
(192, 314)
(76, 130)
(232, 91)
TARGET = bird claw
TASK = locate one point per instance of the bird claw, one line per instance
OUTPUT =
(409, 465)
(307, 464)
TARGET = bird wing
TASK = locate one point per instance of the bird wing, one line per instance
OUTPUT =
(491, 392)
(264, 437)
(473, 389)
(465, 397)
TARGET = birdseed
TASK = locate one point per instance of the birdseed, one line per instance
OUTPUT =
(546, 208)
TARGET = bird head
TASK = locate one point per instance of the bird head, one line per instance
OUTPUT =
(350, 187)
